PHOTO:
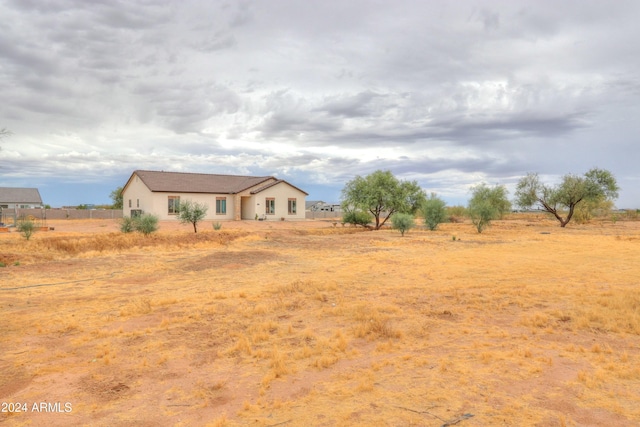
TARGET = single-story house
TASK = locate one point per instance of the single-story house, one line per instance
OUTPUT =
(230, 197)
(20, 198)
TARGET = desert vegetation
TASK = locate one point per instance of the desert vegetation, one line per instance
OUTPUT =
(283, 323)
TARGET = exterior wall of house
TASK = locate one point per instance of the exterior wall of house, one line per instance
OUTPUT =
(137, 196)
(159, 204)
(280, 193)
(247, 203)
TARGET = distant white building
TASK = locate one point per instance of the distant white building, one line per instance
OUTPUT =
(321, 206)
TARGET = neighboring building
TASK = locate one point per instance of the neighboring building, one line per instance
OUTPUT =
(314, 205)
(20, 198)
(320, 206)
(226, 196)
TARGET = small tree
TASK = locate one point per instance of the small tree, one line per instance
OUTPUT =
(26, 227)
(146, 224)
(596, 186)
(403, 222)
(117, 198)
(434, 211)
(382, 194)
(487, 204)
(192, 213)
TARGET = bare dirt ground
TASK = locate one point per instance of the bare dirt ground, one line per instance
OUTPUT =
(307, 323)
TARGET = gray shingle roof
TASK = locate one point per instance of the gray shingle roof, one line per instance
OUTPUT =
(181, 182)
(20, 195)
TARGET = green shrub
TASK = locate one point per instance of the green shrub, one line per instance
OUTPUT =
(217, 226)
(146, 224)
(434, 211)
(357, 218)
(587, 210)
(26, 227)
(486, 204)
(402, 222)
(127, 224)
(481, 215)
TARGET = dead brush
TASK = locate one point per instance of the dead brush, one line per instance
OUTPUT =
(372, 325)
(137, 306)
(241, 346)
(536, 320)
(613, 311)
(283, 302)
(293, 287)
(210, 392)
(376, 327)
(74, 245)
(278, 363)
(95, 243)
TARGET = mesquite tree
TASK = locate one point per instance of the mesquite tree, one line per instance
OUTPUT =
(382, 194)
(596, 185)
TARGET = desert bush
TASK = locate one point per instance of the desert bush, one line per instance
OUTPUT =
(593, 208)
(217, 226)
(402, 222)
(631, 214)
(434, 211)
(357, 218)
(487, 204)
(146, 224)
(127, 224)
(26, 227)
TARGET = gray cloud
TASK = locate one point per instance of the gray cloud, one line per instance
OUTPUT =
(449, 93)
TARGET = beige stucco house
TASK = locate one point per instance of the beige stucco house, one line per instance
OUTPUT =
(228, 197)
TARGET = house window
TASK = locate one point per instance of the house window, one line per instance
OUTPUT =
(270, 206)
(221, 205)
(174, 202)
(129, 202)
(137, 203)
(292, 207)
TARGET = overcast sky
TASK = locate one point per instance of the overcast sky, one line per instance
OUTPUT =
(448, 93)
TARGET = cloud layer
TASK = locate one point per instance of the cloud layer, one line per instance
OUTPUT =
(446, 93)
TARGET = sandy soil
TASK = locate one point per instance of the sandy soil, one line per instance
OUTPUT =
(307, 323)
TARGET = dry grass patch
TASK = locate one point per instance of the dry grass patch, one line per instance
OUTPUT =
(307, 324)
